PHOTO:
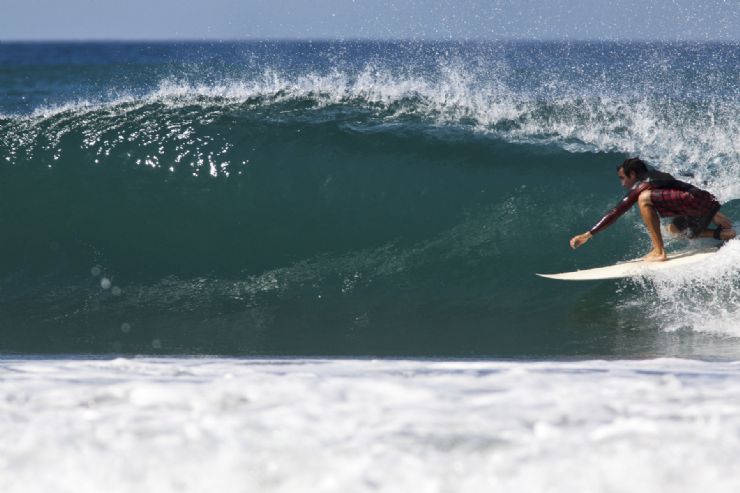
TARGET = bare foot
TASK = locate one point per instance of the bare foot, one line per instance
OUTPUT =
(655, 256)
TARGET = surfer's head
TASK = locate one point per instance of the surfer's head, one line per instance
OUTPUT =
(631, 170)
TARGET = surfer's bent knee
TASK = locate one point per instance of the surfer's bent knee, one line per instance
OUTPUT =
(675, 230)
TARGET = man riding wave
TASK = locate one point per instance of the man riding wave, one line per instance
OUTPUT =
(659, 194)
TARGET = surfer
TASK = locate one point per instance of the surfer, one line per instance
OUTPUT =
(659, 194)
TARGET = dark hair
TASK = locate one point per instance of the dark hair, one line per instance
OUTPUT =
(633, 164)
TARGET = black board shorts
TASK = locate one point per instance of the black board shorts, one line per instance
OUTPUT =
(692, 226)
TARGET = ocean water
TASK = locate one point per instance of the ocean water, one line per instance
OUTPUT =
(366, 199)
(291, 266)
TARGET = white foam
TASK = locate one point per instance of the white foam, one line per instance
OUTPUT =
(704, 297)
(185, 425)
(674, 136)
(699, 138)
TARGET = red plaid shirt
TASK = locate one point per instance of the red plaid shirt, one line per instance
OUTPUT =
(669, 197)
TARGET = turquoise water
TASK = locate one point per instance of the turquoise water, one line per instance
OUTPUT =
(362, 199)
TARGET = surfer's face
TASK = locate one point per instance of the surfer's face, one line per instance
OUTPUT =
(627, 180)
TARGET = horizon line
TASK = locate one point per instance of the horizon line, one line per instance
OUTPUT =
(357, 40)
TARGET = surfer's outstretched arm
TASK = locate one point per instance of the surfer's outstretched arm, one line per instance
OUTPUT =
(611, 216)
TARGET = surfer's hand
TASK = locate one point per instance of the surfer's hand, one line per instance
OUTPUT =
(579, 240)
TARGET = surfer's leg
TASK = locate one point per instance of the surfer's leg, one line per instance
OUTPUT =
(724, 222)
(721, 220)
(698, 226)
(679, 226)
(652, 223)
(724, 233)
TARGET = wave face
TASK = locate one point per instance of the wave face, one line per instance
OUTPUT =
(354, 198)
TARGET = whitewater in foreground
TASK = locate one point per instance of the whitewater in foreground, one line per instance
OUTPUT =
(242, 425)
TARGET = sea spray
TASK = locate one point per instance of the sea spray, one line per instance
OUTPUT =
(703, 297)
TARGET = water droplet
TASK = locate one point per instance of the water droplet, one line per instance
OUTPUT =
(157, 344)
(96, 270)
(105, 283)
(125, 327)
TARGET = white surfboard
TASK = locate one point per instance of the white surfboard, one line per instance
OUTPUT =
(633, 268)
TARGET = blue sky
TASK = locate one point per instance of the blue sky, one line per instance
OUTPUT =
(385, 19)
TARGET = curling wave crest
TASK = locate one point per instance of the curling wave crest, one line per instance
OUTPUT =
(693, 138)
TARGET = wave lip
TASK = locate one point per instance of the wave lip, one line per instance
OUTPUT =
(689, 138)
